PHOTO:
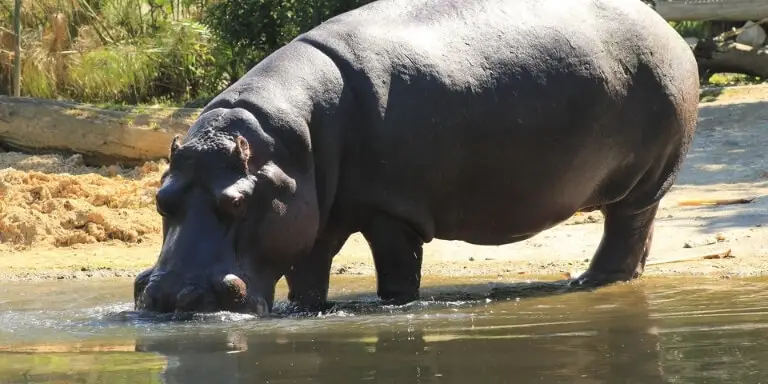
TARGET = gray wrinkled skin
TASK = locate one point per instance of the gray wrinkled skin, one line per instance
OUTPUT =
(486, 121)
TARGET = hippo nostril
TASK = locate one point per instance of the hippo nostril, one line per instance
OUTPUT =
(235, 287)
(152, 299)
(233, 294)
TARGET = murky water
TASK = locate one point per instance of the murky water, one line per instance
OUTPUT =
(653, 331)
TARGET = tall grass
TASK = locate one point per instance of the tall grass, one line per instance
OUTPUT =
(138, 51)
(99, 51)
(118, 72)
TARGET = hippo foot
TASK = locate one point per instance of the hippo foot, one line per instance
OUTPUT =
(398, 300)
(591, 279)
(311, 307)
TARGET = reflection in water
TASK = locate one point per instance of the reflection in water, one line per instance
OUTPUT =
(45, 366)
(592, 343)
(652, 331)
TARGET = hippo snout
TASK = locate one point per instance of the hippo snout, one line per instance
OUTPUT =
(167, 293)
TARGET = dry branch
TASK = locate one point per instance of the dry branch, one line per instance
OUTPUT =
(700, 202)
(709, 256)
(732, 58)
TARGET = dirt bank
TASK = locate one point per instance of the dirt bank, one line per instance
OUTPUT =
(61, 219)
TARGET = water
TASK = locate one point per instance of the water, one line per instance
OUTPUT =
(652, 331)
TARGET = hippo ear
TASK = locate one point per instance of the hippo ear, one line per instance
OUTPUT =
(243, 149)
(175, 144)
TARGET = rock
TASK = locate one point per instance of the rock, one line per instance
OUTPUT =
(752, 35)
(700, 242)
(113, 170)
(75, 160)
(720, 237)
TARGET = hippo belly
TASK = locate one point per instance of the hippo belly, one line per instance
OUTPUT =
(490, 184)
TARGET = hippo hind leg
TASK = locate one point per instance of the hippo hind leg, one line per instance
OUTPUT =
(397, 254)
(623, 250)
(628, 227)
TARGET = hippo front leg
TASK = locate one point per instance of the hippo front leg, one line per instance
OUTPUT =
(623, 250)
(140, 283)
(308, 280)
(397, 254)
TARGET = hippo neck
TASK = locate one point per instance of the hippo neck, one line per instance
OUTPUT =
(300, 88)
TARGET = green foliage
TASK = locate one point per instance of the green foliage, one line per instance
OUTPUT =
(124, 51)
(690, 28)
(252, 29)
(187, 65)
(137, 51)
(730, 79)
(170, 51)
(119, 72)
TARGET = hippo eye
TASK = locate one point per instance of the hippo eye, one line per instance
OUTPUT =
(168, 196)
(163, 204)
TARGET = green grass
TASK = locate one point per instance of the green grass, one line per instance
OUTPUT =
(731, 79)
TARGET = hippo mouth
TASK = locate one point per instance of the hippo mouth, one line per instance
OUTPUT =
(156, 291)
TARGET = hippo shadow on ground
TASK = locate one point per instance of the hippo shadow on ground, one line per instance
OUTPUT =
(711, 220)
(710, 94)
(727, 158)
(729, 146)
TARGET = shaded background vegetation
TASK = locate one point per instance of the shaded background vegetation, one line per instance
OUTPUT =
(179, 52)
(149, 51)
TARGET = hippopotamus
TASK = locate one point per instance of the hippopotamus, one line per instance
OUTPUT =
(482, 121)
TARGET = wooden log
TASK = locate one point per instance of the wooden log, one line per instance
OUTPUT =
(703, 10)
(103, 137)
(731, 58)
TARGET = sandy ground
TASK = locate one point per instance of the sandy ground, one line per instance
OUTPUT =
(61, 220)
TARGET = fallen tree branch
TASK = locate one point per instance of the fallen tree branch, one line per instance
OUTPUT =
(731, 58)
(700, 202)
(737, 31)
(709, 256)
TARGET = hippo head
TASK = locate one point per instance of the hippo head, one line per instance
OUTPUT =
(234, 219)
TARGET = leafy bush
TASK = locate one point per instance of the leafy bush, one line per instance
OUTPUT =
(252, 29)
(125, 51)
(180, 51)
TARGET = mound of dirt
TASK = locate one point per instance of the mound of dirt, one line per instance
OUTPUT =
(53, 200)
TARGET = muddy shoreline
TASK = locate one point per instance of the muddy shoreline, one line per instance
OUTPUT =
(109, 228)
